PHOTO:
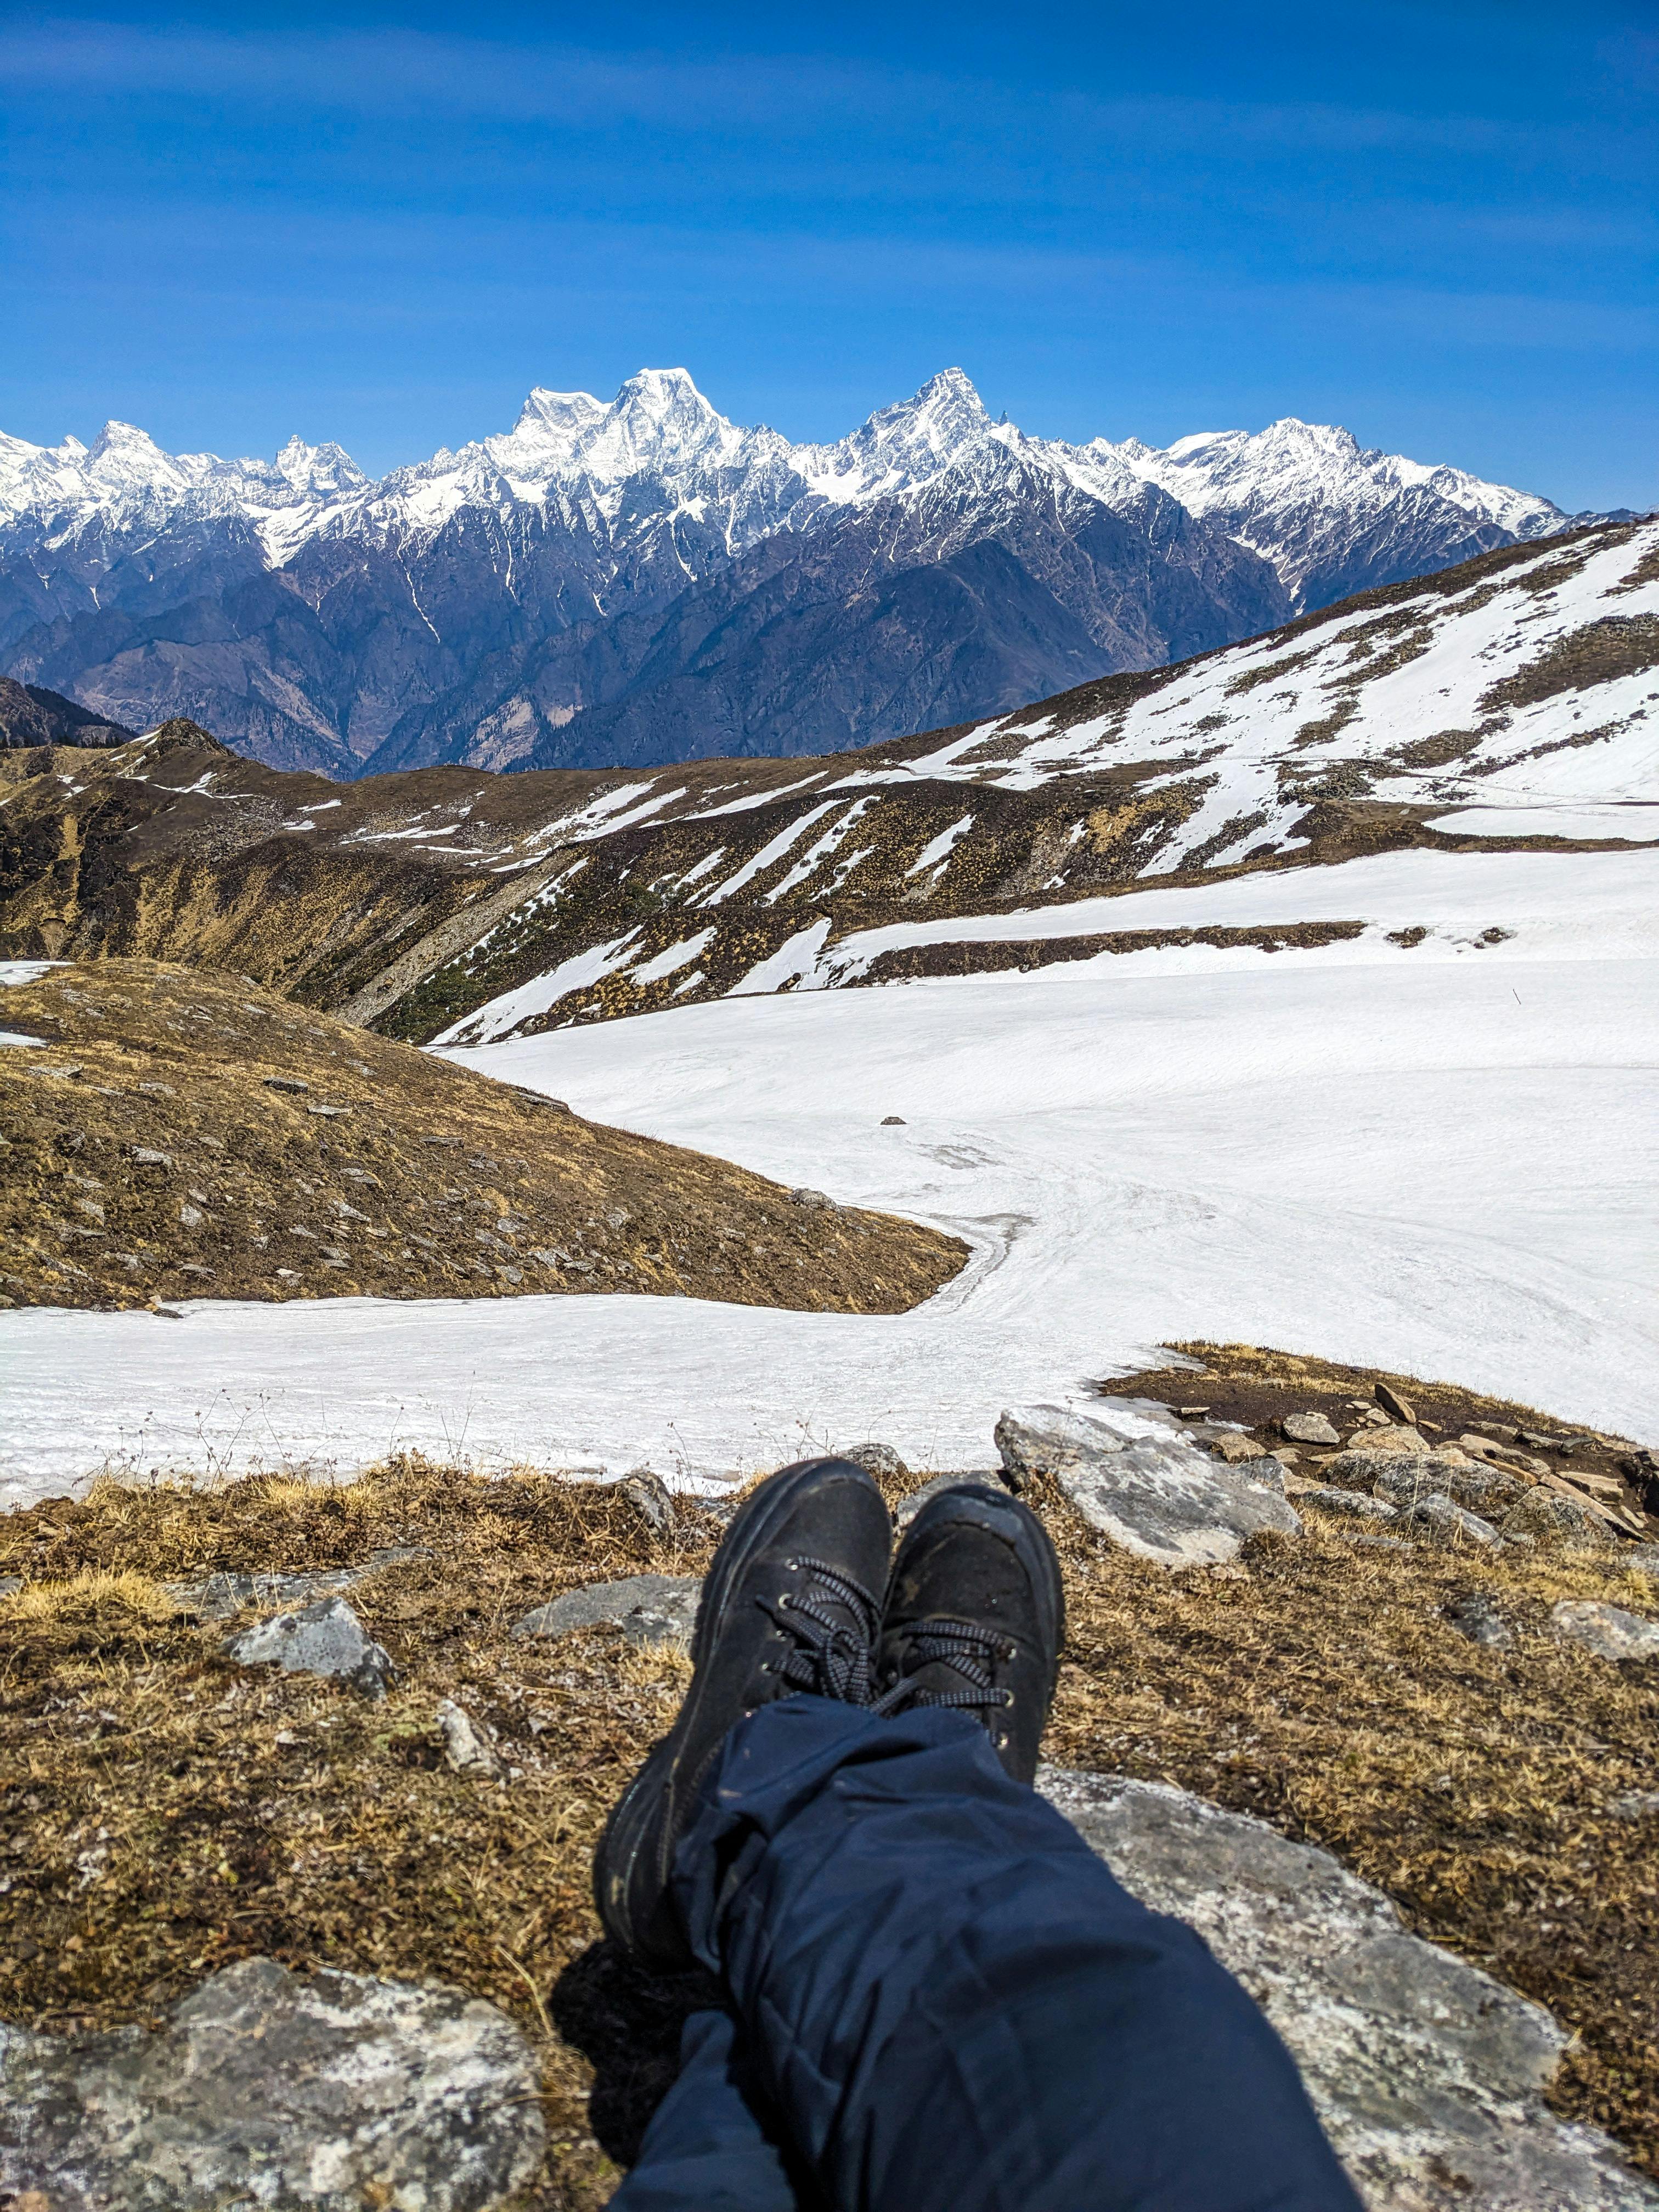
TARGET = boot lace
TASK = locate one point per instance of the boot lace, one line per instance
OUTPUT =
(832, 1623)
(968, 1651)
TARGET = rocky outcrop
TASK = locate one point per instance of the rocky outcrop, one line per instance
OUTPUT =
(1427, 2074)
(1153, 1493)
(264, 2089)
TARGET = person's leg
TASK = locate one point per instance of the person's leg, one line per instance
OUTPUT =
(714, 2143)
(954, 2004)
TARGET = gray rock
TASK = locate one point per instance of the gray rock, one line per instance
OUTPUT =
(1403, 1478)
(815, 1201)
(878, 1460)
(1308, 1428)
(1158, 1497)
(1635, 1805)
(1425, 2073)
(1606, 1630)
(1642, 1558)
(265, 2091)
(324, 1638)
(219, 1596)
(1438, 1519)
(1555, 1523)
(1476, 1616)
(467, 1747)
(1352, 1504)
(648, 1609)
(892, 1121)
(648, 1494)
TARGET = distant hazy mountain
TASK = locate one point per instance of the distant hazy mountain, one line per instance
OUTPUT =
(646, 581)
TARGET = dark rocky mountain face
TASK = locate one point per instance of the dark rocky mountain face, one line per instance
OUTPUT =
(31, 716)
(644, 582)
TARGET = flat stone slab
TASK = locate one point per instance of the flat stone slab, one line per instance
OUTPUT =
(1425, 2073)
(265, 2091)
(1155, 1494)
(648, 1609)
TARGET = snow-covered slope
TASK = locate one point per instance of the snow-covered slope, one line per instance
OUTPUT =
(643, 578)
(1438, 1159)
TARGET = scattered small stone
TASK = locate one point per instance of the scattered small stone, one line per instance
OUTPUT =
(467, 1747)
(1436, 1516)
(1233, 1447)
(1229, 1570)
(1606, 1630)
(1372, 1543)
(1373, 1439)
(325, 1638)
(878, 1460)
(1352, 1504)
(1396, 1407)
(1534, 1440)
(892, 1121)
(284, 1083)
(1497, 1454)
(195, 1267)
(191, 1217)
(1635, 1805)
(158, 1090)
(144, 1156)
(331, 1113)
(1644, 1558)
(1308, 1428)
(1192, 1412)
(1477, 1617)
(815, 1201)
(650, 1609)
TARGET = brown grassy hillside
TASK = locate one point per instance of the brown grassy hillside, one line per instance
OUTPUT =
(190, 1136)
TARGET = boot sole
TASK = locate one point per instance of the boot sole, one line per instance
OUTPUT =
(629, 1830)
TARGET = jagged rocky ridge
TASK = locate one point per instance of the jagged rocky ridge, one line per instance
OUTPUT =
(1510, 699)
(646, 581)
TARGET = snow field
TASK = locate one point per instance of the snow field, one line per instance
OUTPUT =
(1442, 1162)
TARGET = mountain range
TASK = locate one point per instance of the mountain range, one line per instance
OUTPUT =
(645, 582)
(1510, 703)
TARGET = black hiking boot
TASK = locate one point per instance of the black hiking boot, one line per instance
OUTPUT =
(792, 1602)
(975, 1617)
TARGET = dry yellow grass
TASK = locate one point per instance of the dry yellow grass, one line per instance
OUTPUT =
(183, 1135)
(166, 1812)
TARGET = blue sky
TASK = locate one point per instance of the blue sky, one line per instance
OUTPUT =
(1437, 224)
